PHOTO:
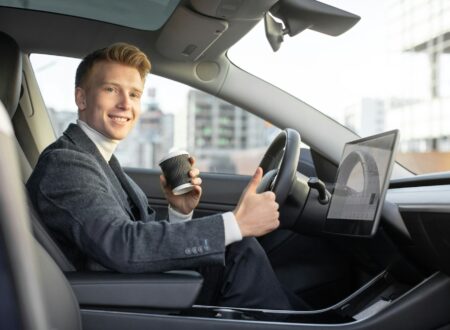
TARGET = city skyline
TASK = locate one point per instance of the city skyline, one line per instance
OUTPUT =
(237, 137)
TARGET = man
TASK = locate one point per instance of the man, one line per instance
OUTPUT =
(101, 218)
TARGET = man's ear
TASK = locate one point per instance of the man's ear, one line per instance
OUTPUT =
(80, 98)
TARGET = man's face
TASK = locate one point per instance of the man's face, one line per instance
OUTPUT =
(110, 99)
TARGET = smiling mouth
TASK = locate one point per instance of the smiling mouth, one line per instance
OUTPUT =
(119, 119)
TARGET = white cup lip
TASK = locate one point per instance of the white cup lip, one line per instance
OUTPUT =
(182, 189)
(173, 154)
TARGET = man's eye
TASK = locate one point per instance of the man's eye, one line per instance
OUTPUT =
(135, 95)
(109, 89)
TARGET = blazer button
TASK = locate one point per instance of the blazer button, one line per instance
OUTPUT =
(187, 251)
(205, 245)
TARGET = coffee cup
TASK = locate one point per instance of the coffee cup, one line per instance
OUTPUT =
(175, 167)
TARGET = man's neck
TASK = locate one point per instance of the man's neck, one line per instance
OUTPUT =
(105, 145)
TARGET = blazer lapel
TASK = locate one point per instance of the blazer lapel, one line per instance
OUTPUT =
(78, 137)
(117, 169)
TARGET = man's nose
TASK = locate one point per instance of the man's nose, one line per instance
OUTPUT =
(124, 101)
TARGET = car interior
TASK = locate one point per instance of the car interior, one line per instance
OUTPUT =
(394, 275)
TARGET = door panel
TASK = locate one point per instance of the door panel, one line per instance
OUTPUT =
(221, 192)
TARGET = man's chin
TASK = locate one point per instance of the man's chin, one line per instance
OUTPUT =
(117, 135)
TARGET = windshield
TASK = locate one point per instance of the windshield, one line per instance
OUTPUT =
(390, 71)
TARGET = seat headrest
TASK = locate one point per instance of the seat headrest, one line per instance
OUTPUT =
(10, 73)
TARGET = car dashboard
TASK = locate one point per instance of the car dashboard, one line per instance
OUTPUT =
(421, 224)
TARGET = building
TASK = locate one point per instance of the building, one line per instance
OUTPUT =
(366, 117)
(421, 29)
(221, 135)
(419, 38)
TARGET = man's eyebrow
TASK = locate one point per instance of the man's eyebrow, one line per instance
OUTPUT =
(136, 89)
(139, 90)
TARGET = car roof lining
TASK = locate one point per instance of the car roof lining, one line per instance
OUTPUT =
(144, 15)
(56, 28)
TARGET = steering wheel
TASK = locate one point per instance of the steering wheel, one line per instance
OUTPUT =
(279, 164)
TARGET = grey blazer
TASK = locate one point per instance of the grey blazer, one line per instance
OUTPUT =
(86, 206)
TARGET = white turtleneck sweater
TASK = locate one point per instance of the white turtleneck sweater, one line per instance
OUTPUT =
(107, 146)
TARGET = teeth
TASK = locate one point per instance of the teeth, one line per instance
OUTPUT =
(119, 119)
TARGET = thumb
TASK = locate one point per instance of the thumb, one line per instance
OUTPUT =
(255, 180)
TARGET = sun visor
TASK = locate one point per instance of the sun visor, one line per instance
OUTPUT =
(189, 43)
(233, 9)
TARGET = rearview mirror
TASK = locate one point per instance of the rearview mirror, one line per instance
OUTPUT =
(299, 15)
(274, 32)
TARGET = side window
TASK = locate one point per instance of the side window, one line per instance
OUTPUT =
(222, 137)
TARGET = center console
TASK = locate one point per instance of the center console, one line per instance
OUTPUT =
(383, 303)
(370, 299)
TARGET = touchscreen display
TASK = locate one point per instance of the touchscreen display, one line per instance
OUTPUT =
(361, 183)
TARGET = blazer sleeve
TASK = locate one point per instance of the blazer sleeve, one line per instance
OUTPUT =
(76, 199)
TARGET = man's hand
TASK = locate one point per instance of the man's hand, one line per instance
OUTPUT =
(187, 202)
(256, 214)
